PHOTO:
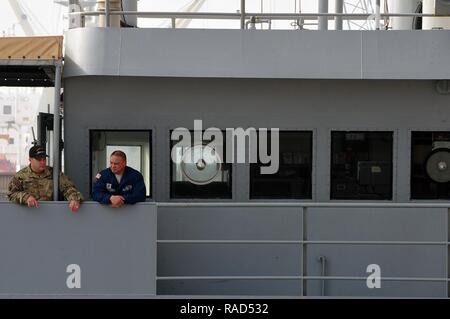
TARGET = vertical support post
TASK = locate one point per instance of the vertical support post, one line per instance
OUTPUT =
(323, 20)
(107, 16)
(75, 21)
(339, 8)
(377, 14)
(304, 256)
(323, 273)
(56, 130)
(447, 259)
(174, 23)
(242, 14)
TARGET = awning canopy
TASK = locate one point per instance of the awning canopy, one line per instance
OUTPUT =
(31, 48)
(29, 61)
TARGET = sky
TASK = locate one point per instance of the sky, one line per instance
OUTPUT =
(44, 16)
(48, 17)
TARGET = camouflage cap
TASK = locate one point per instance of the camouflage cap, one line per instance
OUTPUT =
(37, 151)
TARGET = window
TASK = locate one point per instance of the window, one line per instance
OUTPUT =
(7, 109)
(293, 179)
(203, 178)
(430, 165)
(135, 144)
(361, 165)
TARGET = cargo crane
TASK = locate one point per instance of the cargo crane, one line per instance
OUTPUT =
(193, 6)
(359, 6)
(26, 18)
(21, 17)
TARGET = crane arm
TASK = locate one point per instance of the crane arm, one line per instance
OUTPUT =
(21, 17)
(194, 6)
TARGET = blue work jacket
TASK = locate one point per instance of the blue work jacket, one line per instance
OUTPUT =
(131, 186)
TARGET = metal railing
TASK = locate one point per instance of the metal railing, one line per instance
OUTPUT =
(95, 215)
(246, 18)
(303, 243)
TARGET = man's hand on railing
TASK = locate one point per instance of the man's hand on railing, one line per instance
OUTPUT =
(116, 201)
(32, 202)
(74, 206)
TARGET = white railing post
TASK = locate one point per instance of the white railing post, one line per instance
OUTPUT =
(242, 14)
(56, 130)
(339, 8)
(323, 20)
(107, 16)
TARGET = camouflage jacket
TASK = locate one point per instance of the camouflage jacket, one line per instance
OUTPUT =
(26, 182)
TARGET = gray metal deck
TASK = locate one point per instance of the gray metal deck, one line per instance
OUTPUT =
(115, 250)
(225, 249)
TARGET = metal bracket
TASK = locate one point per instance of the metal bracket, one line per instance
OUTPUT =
(323, 273)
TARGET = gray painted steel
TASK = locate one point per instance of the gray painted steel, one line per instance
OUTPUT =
(338, 8)
(258, 54)
(229, 259)
(410, 261)
(410, 245)
(162, 104)
(229, 250)
(373, 224)
(115, 249)
(223, 287)
(158, 80)
(240, 223)
(323, 21)
(57, 130)
(379, 224)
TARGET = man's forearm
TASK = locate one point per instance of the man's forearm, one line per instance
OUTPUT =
(18, 197)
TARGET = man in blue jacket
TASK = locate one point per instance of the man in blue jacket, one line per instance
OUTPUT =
(119, 184)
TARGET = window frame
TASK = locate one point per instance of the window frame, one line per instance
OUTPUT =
(151, 157)
(11, 110)
(312, 169)
(393, 180)
(196, 199)
(411, 131)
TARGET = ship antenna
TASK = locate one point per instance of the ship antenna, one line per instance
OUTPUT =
(34, 137)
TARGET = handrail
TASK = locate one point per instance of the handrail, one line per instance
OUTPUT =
(302, 243)
(243, 16)
(331, 204)
(425, 279)
(274, 16)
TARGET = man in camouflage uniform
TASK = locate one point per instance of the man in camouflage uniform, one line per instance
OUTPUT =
(35, 183)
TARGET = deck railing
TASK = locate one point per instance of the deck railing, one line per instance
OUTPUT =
(265, 249)
(326, 254)
(247, 19)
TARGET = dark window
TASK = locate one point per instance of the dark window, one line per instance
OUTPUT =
(361, 165)
(210, 179)
(7, 109)
(293, 179)
(430, 165)
(135, 144)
